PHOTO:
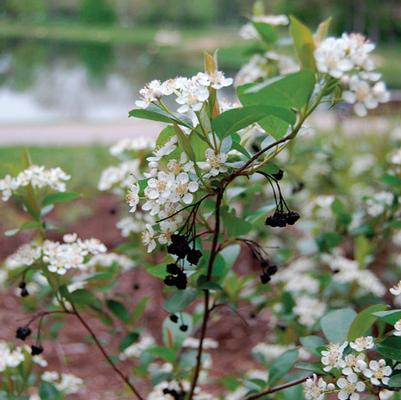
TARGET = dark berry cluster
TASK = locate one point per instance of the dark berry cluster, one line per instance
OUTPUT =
(175, 394)
(23, 332)
(174, 318)
(268, 272)
(180, 247)
(282, 216)
(24, 291)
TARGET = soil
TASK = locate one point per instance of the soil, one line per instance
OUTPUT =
(236, 333)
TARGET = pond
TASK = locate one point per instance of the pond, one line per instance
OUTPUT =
(48, 81)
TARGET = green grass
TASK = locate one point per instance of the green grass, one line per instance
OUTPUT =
(84, 164)
(75, 32)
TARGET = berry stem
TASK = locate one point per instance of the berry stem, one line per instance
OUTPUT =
(213, 254)
(105, 355)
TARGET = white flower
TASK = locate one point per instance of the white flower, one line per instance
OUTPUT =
(133, 197)
(121, 175)
(378, 372)
(37, 176)
(248, 32)
(363, 343)
(136, 349)
(192, 96)
(354, 363)
(315, 389)
(150, 93)
(215, 164)
(332, 357)
(184, 188)
(275, 20)
(397, 327)
(193, 343)
(148, 238)
(396, 289)
(363, 96)
(350, 387)
(134, 144)
(331, 57)
(26, 255)
(377, 204)
(309, 310)
(216, 80)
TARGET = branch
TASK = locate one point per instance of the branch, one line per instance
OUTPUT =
(105, 355)
(277, 388)
(213, 254)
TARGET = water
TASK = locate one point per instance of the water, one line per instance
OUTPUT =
(43, 81)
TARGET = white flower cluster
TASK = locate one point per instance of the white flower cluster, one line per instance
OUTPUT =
(190, 93)
(72, 253)
(66, 383)
(271, 352)
(120, 176)
(10, 358)
(355, 368)
(136, 349)
(348, 58)
(134, 144)
(348, 271)
(265, 66)
(37, 176)
(249, 32)
(377, 204)
(160, 391)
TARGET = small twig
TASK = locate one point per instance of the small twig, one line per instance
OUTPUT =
(277, 388)
(104, 352)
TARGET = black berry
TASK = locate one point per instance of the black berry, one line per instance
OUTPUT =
(22, 285)
(173, 269)
(278, 175)
(24, 292)
(23, 332)
(292, 217)
(265, 278)
(194, 256)
(36, 350)
(173, 318)
(184, 328)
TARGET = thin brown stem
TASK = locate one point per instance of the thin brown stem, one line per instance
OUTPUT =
(105, 355)
(213, 254)
(277, 388)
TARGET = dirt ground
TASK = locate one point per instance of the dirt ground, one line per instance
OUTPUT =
(72, 353)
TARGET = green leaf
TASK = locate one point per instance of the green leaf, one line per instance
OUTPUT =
(127, 340)
(364, 321)
(138, 310)
(172, 335)
(312, 344)
(395, 381)
(235, 226)
(47, 391)
(290, 91)
(322, 30)
(185, 143)
(304, 43)
(335, 324)
(158, 271)
(164, 353)
(391, 180)
(391, 317)
(118, 309)
(180, 300)
(228, 257)
(282, 365)
(26, 226)
(390, 348)
(155, 113)
(232, 121)
(82, 297)
(266, 31)
(62, 197)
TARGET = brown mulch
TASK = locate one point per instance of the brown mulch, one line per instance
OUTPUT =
(72, 353)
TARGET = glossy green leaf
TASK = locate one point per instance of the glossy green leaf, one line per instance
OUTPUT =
(180, 300)
(391, 316)
(312, 344)
(82, 297)
(364, 321)
(304, 43)
(61, 197)
(232, 121)
(266, 31)
(118, 309)
(290, 91)
(336, 324)
(128, 340)
(282, 365)
(390, 348)
(47, 391)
